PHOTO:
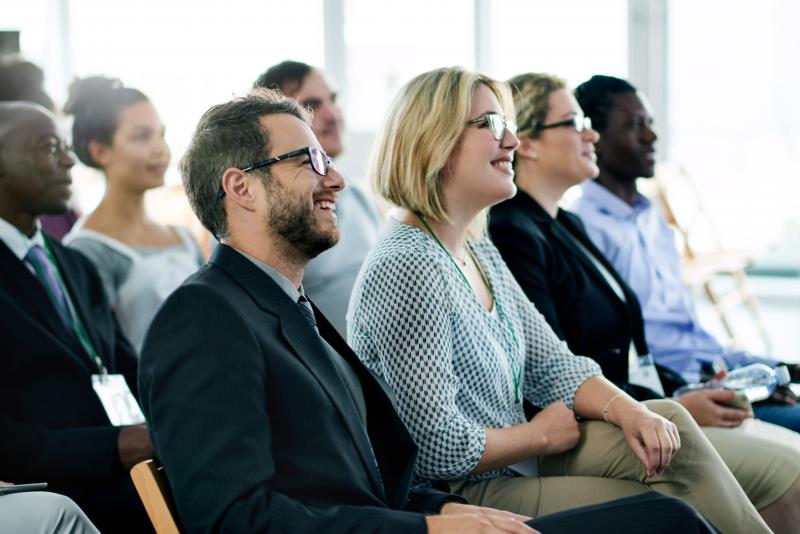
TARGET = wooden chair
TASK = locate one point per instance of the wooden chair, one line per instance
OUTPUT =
(151, 484)
(704, 257)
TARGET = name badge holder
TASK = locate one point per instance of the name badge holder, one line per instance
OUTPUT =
(642, 372)
(112, 389)
(118, 401)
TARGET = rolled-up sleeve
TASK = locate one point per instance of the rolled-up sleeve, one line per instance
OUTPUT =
(552, 372)
(401, 327)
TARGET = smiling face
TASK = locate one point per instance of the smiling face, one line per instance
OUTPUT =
(138, 155)
(316, 94)
(562, 153)
(34, 165)
(478, 173)
(626, 149)
(299, 205)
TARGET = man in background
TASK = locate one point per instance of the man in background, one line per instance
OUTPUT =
(22, 80)
(635, 237)
(329, 277)
(59, 336)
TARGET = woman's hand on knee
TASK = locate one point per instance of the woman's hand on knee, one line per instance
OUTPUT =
(654, 439)
(557, 427)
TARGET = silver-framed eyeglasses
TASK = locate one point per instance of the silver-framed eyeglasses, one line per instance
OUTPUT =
(497, 123)
(579, 123)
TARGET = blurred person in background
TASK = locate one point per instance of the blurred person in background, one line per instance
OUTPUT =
(634, 236)
(118, 131)
(590, 306)
(22, 80)
(329, 277)
(62, 344)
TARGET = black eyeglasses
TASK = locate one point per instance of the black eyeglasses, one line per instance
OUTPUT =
(579, 123)
(320, 162)
(497, 123)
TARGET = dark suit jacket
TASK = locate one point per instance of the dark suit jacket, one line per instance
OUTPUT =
(565, 285)
(253, 424)
(53, 427)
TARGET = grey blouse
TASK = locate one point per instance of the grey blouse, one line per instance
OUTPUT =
(414, 321)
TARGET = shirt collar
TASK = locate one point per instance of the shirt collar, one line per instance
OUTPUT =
(608, 202)
(294, 292)
(18, 242)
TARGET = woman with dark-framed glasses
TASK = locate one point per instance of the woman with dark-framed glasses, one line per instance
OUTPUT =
(437, 314)
(591, 308)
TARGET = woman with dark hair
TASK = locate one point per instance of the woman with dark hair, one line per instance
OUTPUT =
(118, 131)
(438, 315)
(589, 305)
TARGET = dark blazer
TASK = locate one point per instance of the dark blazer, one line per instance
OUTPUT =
(564, 284)
(253, 424)
(53, 427)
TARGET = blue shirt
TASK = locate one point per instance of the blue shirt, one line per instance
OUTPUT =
(641, 247)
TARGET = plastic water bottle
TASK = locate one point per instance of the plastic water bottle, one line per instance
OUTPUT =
(756, 381)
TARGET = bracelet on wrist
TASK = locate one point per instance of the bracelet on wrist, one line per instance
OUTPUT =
(608, 405)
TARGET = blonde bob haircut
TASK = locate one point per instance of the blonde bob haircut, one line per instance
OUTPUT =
(531, 93)
(420, 132)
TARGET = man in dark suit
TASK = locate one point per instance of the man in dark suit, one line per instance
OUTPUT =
(57, 330)
(261, 414)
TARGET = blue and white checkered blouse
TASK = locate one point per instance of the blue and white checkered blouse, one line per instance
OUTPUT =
(414, 321)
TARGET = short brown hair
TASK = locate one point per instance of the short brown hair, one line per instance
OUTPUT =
(228, 135)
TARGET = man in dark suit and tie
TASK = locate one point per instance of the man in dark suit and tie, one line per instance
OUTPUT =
(261, 414)
(57, 331)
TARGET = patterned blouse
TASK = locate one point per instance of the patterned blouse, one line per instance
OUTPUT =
(414, 321)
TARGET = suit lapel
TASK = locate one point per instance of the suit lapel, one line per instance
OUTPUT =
(304, 342)
(566, 235)
(389, 439)
(77, 295)
(34, 300)
(576, 233)
(631, 304)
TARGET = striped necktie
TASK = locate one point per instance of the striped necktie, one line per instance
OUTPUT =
(46, 274)
(308, 312)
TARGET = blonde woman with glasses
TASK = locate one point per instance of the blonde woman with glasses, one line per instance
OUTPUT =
(437, 314)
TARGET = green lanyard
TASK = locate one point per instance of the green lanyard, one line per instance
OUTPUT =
(516, 372)
(75, 321)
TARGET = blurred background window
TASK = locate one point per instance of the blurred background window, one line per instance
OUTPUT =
(721, 76)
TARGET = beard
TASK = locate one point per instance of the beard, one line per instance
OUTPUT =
(293, 219)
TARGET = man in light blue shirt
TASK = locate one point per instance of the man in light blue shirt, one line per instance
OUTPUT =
(635, 237)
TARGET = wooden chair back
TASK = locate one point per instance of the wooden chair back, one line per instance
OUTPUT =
(151, 484)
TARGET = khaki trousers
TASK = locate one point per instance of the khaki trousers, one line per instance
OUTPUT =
(602, 467)
(764, 458)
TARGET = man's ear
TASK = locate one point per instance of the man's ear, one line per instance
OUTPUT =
(528, 148)
(100, 153)
(239, 188)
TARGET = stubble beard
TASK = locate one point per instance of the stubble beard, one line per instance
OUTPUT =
(295, 222)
